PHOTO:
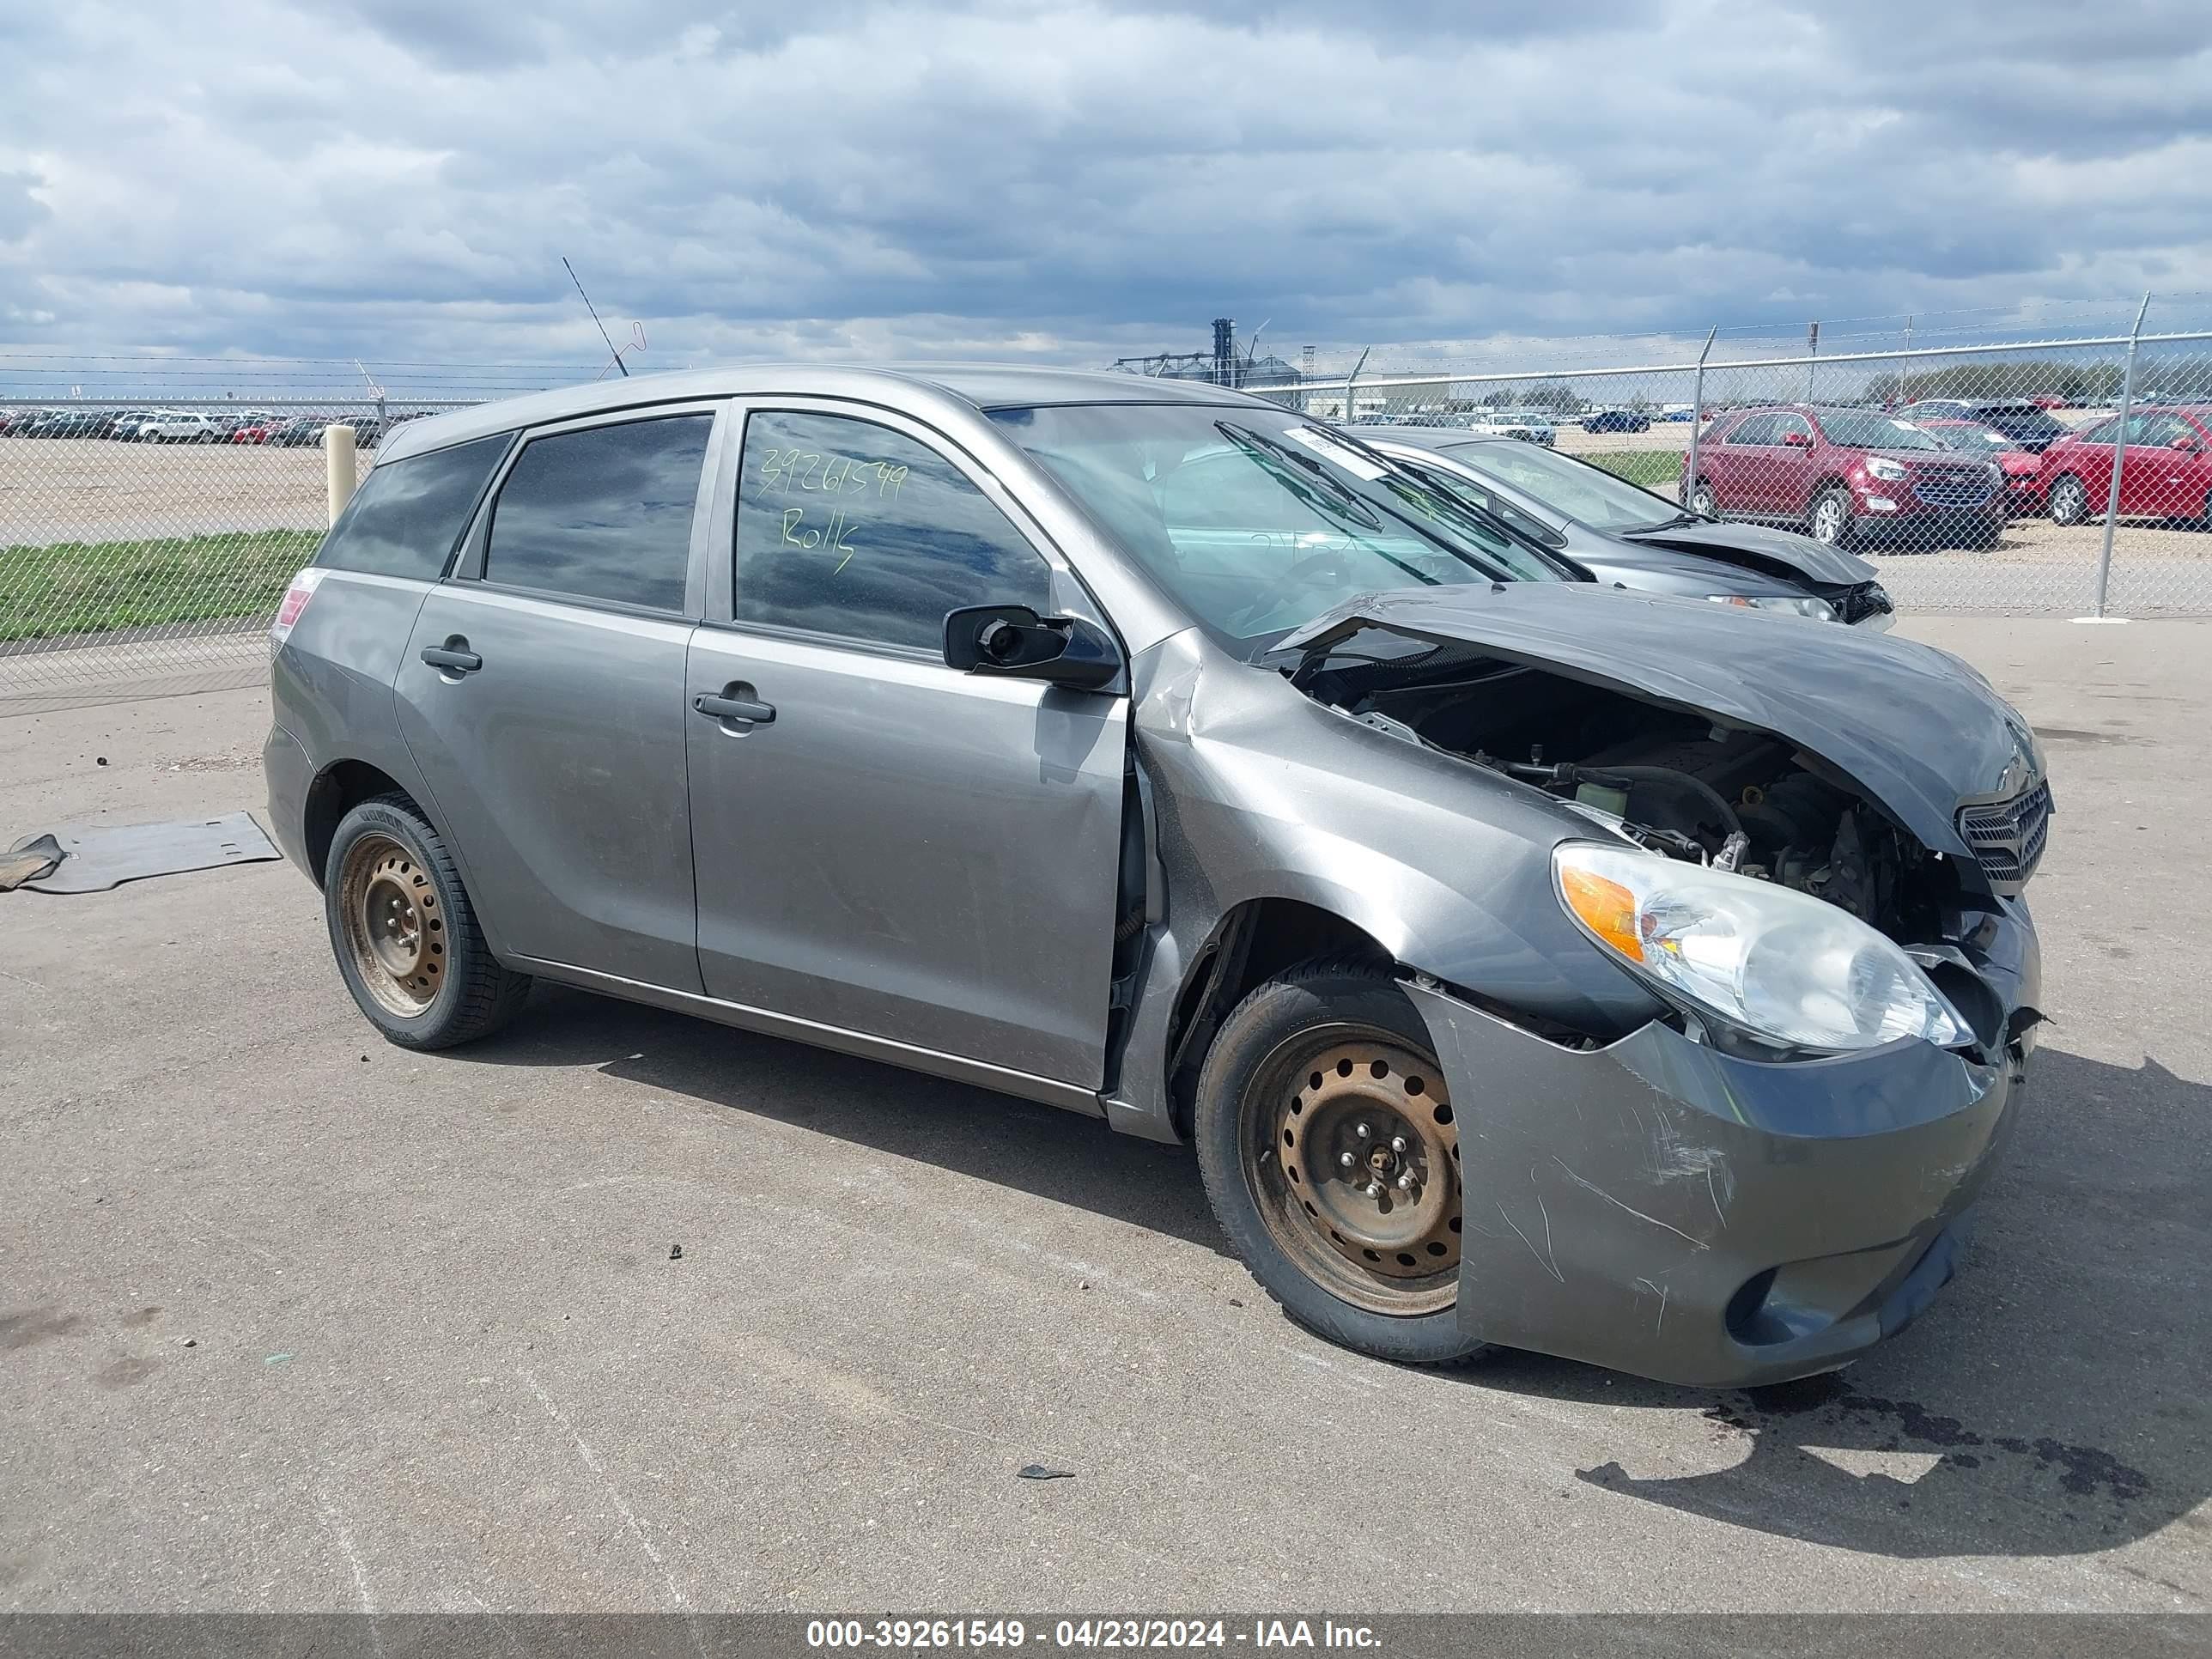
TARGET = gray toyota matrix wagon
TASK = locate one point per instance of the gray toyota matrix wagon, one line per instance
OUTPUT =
(1529, 961)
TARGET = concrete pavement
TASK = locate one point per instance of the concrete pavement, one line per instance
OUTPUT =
(290, 1319)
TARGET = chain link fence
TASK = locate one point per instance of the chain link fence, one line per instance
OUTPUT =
(151, 513)
(146, 545)
(2067, 476)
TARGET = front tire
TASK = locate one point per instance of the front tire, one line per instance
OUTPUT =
(2069, 501)
(1701, 500)
(1830, 523)
(1327, 1140)
(405, 935)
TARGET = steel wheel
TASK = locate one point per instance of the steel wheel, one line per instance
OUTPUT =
(1351, 1151)
(393, 927)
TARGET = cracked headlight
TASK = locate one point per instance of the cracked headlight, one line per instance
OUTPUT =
(1795, 605)
(1881, 466)
(1777, 963)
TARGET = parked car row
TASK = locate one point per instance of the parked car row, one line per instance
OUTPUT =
(174, 426)
(1945, 473)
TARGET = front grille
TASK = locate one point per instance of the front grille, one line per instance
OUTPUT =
(2009, 836)
(1856, 605)
(1951, 487)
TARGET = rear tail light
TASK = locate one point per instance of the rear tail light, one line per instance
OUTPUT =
(293, 604)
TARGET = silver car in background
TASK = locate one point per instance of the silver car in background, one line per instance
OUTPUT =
(1529, 962)
(1615, 532)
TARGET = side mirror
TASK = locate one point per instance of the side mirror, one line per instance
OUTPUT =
(1798, 440)
(2184, 442)
(1011, 641)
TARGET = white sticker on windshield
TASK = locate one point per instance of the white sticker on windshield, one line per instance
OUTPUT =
(1328, 449)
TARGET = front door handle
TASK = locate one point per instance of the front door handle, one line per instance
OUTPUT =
(735, 709)
(453, 660)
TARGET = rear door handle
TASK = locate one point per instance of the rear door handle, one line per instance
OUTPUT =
(735, 709)
(452, 661)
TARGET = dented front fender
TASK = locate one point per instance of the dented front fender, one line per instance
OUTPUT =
(1659, 1207)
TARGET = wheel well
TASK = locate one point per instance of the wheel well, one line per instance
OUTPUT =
(1252, 943)
(1834, 481)
(338, 789)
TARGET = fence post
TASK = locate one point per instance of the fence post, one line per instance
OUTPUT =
(2119, 461)
(1351, 384)
(337, 467)
(1697, 421)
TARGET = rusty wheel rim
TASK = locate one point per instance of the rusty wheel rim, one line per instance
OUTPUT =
(394, 926)
(1351, 1149)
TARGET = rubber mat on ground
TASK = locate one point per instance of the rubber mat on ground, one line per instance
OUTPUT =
(96, 857)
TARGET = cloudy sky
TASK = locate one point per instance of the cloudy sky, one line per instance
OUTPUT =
(398, 179)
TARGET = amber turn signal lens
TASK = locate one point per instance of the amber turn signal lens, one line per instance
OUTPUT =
(1606, 908)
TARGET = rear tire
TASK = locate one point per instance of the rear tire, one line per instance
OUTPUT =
(2069, 501)
(405, 935)
(1300, 1066)
(1702, 502)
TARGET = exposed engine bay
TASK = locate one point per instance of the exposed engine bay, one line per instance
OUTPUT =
(1677, 782)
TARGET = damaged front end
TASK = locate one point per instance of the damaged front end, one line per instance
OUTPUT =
(1758, 1184)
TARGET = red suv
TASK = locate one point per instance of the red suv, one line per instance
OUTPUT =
(1845, 475)
(2168, 473)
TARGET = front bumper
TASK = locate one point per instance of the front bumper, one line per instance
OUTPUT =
(1659, 1207)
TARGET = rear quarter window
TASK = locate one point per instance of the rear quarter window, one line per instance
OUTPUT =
(408, 514)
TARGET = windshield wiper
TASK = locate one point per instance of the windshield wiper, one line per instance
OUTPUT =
(1245, 437)
(1676, 522)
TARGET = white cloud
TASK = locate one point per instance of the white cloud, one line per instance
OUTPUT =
(398, 181)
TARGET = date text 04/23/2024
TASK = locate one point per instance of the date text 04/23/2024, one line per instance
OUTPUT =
(831, 1635)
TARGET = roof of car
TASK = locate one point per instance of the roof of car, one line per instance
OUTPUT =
(982, 386)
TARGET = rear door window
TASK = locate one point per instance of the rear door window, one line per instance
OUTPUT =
(407, 515)
(602, 513)
(849, 528)
(1756, 430)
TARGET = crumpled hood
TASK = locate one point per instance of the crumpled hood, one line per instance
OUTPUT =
(1781, 551)
(1916, 728)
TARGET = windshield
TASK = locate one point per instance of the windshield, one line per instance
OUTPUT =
(1575, 490)
(1852, 428)
(2025, 421)
(1973, 439)
(1257, 520)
